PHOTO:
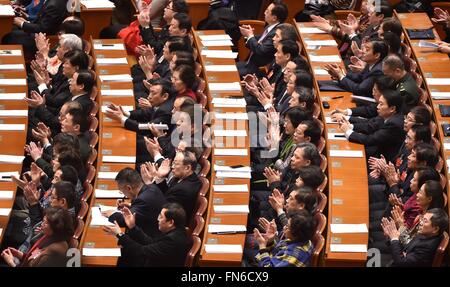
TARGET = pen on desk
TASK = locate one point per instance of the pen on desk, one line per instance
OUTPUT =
(337, 97)
(228, 232)
(339, 136)
(108, 45)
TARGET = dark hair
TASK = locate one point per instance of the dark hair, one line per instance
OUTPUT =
(175, 212)
(288, 31)
(69, 174)
(310, 153)
(302, 227)
(380, 47)
(296, 115)
(185, 58)
(187, 102)
(305, 95)
(77, 58)
(289, 47)
(392, 25)
(60, 222)
(311, 176)
(193, 111)
(79, 118)
(70, 157)
(177, 43)
(166, 86)
(422, 115)
(312, 130)
(63, 141)
(303, 79)
(426, 173)
(433, 189)
(187, 75)
(393, 41)
(129, 176)
(280, 10)
(308, 197)
(427, 153)
(394, 62)
(73, 26)
(422, 133)
(189, 159)
(184, 22)
(385, 10)
(180, 6)
(393, 99)
(384, 82)
(87, 79)
(65, 190)
(301, 63)
(439, 219)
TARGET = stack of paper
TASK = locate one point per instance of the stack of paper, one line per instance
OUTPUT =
(13, 82)
(6, 10)
(16, 159)
(119, 159)
(447, 147)
(365, 99)
(125, 108)
(109, 47)
(230, 188)
(12, 127)
(12, 96)
(438, 81)
(7, 175)
(225, 54)
(231, 116)
(103, 193)
(230, 172)
(125, 92)
(349, 228)
(116, 78)
(112, 61)
(336, 136)
(107, 174)
(329, 120)
(215, 37)
(320, 72)
(231, 151)
(235, 86)
(426, 44)
(230, 133)
(97, 219)
(221, 68)
(12, 67)
(6, 194)
(346, 153)
(226, 228)
(329, 58)
(10, 53)
(102, 252)
(231, 209)
(217, 43)
(13, 113)
(92, 4)
(311, 30)
(320, 43)
(223, 248)
(5, 211)
(229, 102)
(348, 247)
(440, 95)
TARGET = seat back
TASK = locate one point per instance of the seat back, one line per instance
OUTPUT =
(440, 251)
(196, 244)
(91, 174)
(79, 229)
(88, 191)
(319, 242)
(84, 208)
(205, 186)
(323, 162)
(205, 167)
(94, 109)
(199, 224)
(321, 222)
(316, 110)
(321, 202)
(321, 145)
(92, 156)
(323, 185)
(201, 206)
(93, 139)
(93, 123)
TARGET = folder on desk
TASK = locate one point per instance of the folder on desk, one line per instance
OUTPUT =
(229, 102)
(311, 30)
(346, 153)
(231, 116)
(104, 193)
(215, 37)
(219, 54)
(231, 209)
(119, 159)
(6, 194)
(226, 228)
(438, 81)
(363, 99)
(231, 151)
(97, 219)
(12, 96)
(13, 113)
(421, 33)
(230, 188)
(90, 4)
(14, 159)
(440, 95)
(230, 133)
(116, 78)
(6, 10)
(112, 61)
(337, 136)
(107, 174)
(125, 108)
(217, 43)
(320, 43)
(119, 46)
(221, 68)
(102, 252)
(349, 228)
(232, 174)
(329, 120)
(124, 92)
(223, 248)
(5, 211)
(235, 86)
(12, 127)
(12, 67)
(348, 247)
(326, 58)
(7, 175)
(330, 85)
(13, 82)
(320, 72)
(10, 53)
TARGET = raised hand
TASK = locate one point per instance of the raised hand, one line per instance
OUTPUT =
(272, 175)
(164, 169)
(130, 218)
(276, 200)
(36, 100)
(31, 193)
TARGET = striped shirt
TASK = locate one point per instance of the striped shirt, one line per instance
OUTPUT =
(285, 253)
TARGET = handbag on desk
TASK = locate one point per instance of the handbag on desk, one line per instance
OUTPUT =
(445, 110)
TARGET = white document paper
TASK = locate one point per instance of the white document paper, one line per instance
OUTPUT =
(311, 30)
(217, 43)
(102, 252)
(362, 98)
(229, 102)
(6, 194)
(5, 211)
(215, 37)
(329, 120)
(447, 146)
(219, 54)
(320, 43)
(12, 127)
(126, 92)
(13, 113)
(226, 228)
(221, 68)
(97, 219)
(231, 209)
(348, 247)
(119, 159)
(235, 86)
(6, 175)
(13, 82)
(16, 159)
(329, 58)
(320, 72)
(230, 133)
(104, 193)
(126, 108)
(336, 136)
(231, 116)
(231, 174)
(232, 169)
(230, 188)
(10, 53)
(438, 81)
(91, 4)
(223, 248)
(107, 174)
(109, 47)
(426, 44)
(349, 228)
(12, 96)
(112, 61)
(12, 67)
(346, 153)
(440, 95)
(116, 78)
(6, 10)
(231, 151)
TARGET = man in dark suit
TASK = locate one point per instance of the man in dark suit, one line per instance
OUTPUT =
(361, 83)
(261, 47)
(169, 249)
(80, 87)
(420, 251)
(382, 135)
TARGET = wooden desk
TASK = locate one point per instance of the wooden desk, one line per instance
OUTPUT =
(198, 10)
(348, 186)
(95, 20)
(6, 21)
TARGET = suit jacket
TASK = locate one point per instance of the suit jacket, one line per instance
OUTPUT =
(170, 249)
(48, 118)
(85, 102)
(361, 84)
(385, 137)
(409, 90)
(419, 252)
(155, 40)
(149, 115)
(184, 192)
(147, 206)
(85, 148)
(367, 111)
(49, 18)
(53, 255)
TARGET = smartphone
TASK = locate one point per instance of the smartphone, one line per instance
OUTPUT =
(325, 105)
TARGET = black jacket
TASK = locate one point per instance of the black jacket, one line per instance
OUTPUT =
(155, 40)
(361, 84)
(49, 18)
(419, 252)
(85, 102)
(162, 114)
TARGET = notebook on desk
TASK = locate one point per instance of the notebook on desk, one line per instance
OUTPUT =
(445, 110)
(420, 33)
(330, 86)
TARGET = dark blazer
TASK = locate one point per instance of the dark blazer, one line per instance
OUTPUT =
(49, 18)
(361, 84)
(155, 40)
(408, 89)
(184, 192)
(48, 118)
(385, 137)
(368, 111)
(85, 148)
(162, 114)
(170, 249)
(419, 252)
(147, 206)
(86, 103)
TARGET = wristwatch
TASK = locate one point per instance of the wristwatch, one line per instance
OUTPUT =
(119, 235)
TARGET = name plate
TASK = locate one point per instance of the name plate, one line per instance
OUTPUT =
(338, 182)
(105, 168)
(336, 240)
(216, 220)
(107, 135)
(218, 201)
(106, 152)
(336, 164)
(103, 186)
(212, 241)
(218, 181)
(338, 201)
(336, 220)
